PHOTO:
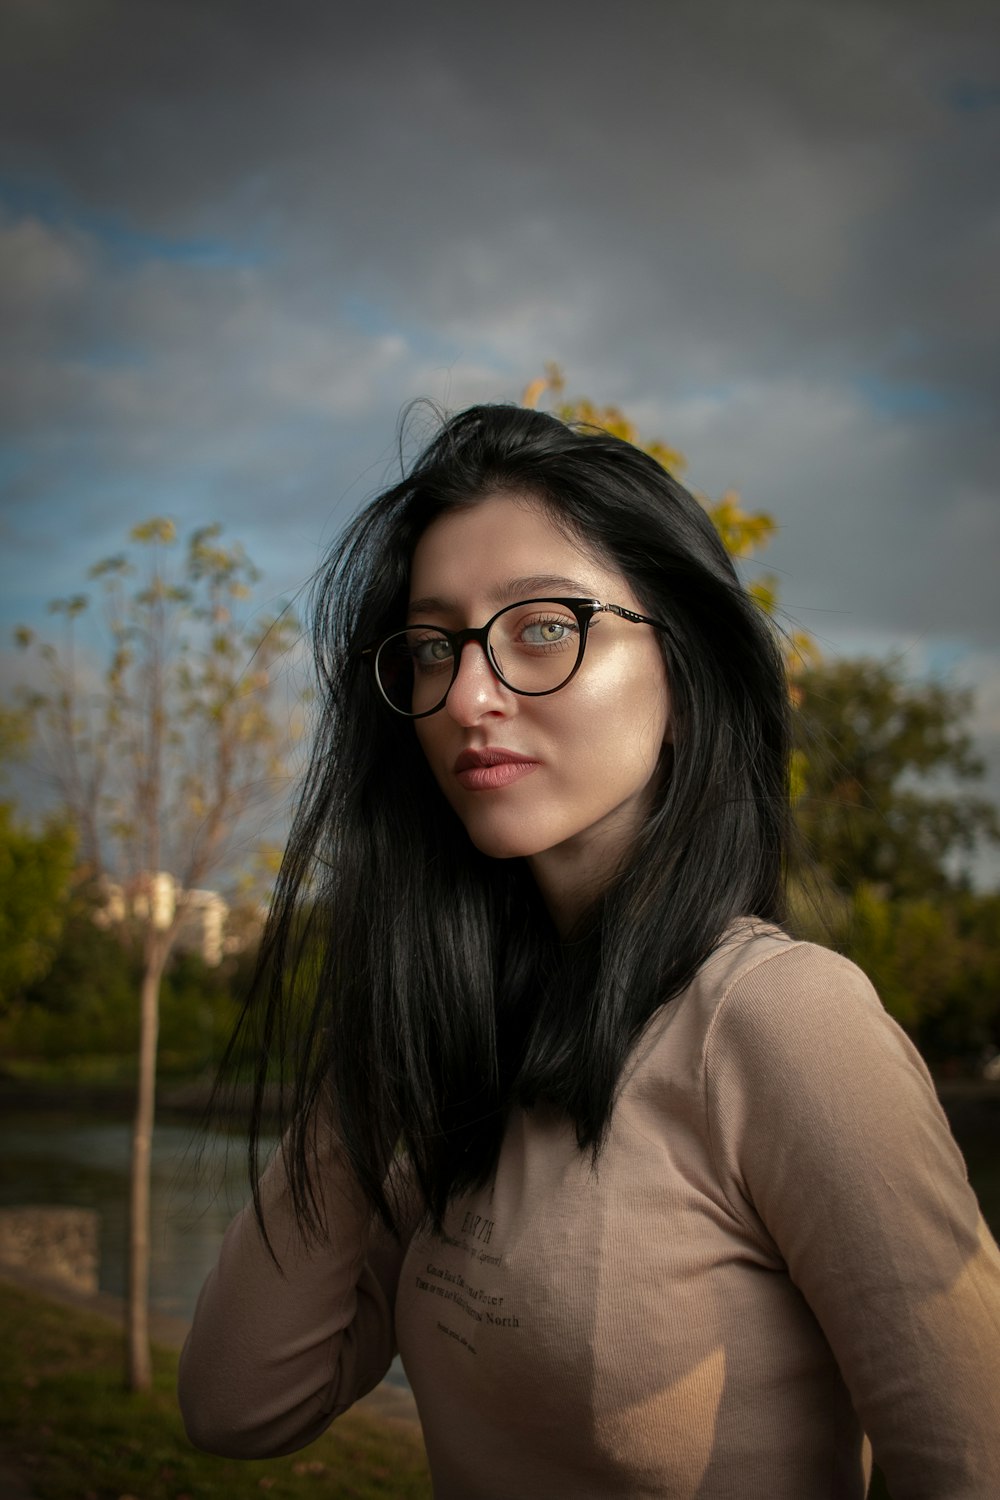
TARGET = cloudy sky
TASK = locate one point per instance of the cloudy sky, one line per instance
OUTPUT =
(237, 237)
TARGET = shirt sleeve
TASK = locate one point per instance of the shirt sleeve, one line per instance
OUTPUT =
(831, 1145)
(275, 1352)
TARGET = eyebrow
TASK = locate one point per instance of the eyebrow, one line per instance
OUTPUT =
(511, 591)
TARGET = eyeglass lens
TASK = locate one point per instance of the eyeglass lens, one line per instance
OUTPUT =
(534, 648)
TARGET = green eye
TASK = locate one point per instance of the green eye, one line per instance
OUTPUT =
(431, 652)
(547, 632)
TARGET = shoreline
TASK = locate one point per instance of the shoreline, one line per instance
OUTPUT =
(190, 1098)
(387, 1402)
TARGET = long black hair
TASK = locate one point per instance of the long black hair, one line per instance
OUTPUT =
(412, 989)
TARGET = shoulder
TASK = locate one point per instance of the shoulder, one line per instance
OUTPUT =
(764, 991)
(817, 1108)
(782, 1036)
(756, 986)
(799, 1051)
(793, 1016)
(770, 1018)
(760, 980)
(759, 956)
(761, 986)
(784, 1033)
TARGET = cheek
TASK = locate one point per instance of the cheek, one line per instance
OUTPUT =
(647, 701)
(624, 710)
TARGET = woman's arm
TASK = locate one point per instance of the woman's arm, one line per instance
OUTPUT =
(830, 1137)
(275, 1354)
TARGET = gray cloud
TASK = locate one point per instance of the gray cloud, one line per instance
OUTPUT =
(238, 237)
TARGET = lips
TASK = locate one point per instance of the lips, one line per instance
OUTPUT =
(485, 770)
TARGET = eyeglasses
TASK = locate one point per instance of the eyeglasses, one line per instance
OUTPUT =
(534, 647)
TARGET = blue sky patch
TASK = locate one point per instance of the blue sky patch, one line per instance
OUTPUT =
(900, 398)
(50, 203)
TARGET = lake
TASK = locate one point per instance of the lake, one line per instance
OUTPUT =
(198, 1184)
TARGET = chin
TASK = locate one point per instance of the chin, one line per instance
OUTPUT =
(497, 841)
(497, 846)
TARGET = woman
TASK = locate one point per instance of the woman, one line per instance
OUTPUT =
(653, 1200)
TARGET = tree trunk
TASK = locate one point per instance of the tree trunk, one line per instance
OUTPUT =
(139, 1369)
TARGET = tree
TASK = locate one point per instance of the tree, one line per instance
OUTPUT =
(159, 756)
(743, 532)
(964, 1021)
(889, 826)
(35, 870)
(883, 767)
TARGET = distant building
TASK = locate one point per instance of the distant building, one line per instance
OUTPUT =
(157, 895)
(154, 897)
(203, 925)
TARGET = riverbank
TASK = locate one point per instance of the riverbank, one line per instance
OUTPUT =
(187, 1098)
(387, 1401)
(69, 1430)
(972, 1101)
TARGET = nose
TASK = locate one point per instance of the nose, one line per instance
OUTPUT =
(476, 690)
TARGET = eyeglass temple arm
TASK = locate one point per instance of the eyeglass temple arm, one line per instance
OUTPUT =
(601, 609)
(627, 614)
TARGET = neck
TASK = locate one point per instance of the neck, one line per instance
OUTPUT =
(572, 875)
(565, 897)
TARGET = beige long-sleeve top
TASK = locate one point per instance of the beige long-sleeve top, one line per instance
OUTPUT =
(777, 1252)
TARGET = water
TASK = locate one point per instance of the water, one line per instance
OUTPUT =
(198, 1184)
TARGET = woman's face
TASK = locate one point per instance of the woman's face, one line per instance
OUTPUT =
(586, 756)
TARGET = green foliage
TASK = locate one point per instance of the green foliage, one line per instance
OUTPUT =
(84, 1006)
(882, 770)
(35, 872)
(965, 1018)
(85, 1003)
(15, 734)
(68, 1425)
(199, 1005)
(881, 767)
(935, 963)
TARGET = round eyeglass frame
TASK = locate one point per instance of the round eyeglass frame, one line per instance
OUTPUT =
(583, 610)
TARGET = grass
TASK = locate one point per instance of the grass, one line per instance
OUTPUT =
(99, 1069)
(68, 1425)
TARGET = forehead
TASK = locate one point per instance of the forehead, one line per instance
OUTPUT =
(505, 545)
